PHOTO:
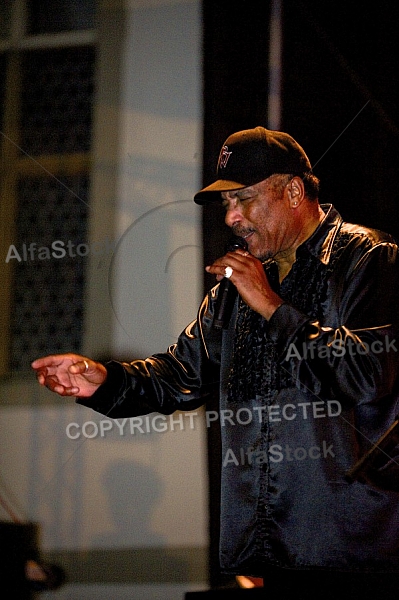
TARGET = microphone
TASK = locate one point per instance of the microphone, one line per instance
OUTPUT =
(227, 290)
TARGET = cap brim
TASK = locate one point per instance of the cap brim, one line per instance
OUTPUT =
(212, 192)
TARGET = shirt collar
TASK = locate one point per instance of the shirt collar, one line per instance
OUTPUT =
(320, 243)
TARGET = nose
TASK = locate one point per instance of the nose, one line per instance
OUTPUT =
(233, 215)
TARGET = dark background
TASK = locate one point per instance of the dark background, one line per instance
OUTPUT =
(339, 101)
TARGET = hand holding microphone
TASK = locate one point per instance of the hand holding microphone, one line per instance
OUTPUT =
(239, 271)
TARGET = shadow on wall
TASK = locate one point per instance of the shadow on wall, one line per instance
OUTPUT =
(133, 492)
(133, 552)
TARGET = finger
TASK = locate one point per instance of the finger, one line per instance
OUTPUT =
(237, 258)
(234, 259)
(218, 270)
(62, 391)
(81, 367)
(73, 391)
(219, 267)
(243, 253)
(45, 361)
(41, 377)
(55, 360)
(55, 386)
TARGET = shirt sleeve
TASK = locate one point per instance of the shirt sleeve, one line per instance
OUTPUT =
(182, 378)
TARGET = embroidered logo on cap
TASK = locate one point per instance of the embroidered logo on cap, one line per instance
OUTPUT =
(224, 156)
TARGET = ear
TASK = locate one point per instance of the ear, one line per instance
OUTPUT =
(295, 191)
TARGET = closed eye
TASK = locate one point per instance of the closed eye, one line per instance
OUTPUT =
(238, 198)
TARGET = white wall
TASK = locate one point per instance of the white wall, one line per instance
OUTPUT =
(158, 254)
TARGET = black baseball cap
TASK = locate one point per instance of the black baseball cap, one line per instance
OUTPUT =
(252, 155)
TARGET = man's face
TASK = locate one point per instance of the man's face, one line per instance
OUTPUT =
(261, 214)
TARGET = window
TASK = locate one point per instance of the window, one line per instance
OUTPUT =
(53, 16)
(47, 58)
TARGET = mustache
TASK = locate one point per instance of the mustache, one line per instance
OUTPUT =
(240, 232)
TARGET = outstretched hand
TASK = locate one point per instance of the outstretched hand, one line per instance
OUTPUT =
(70, 374)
